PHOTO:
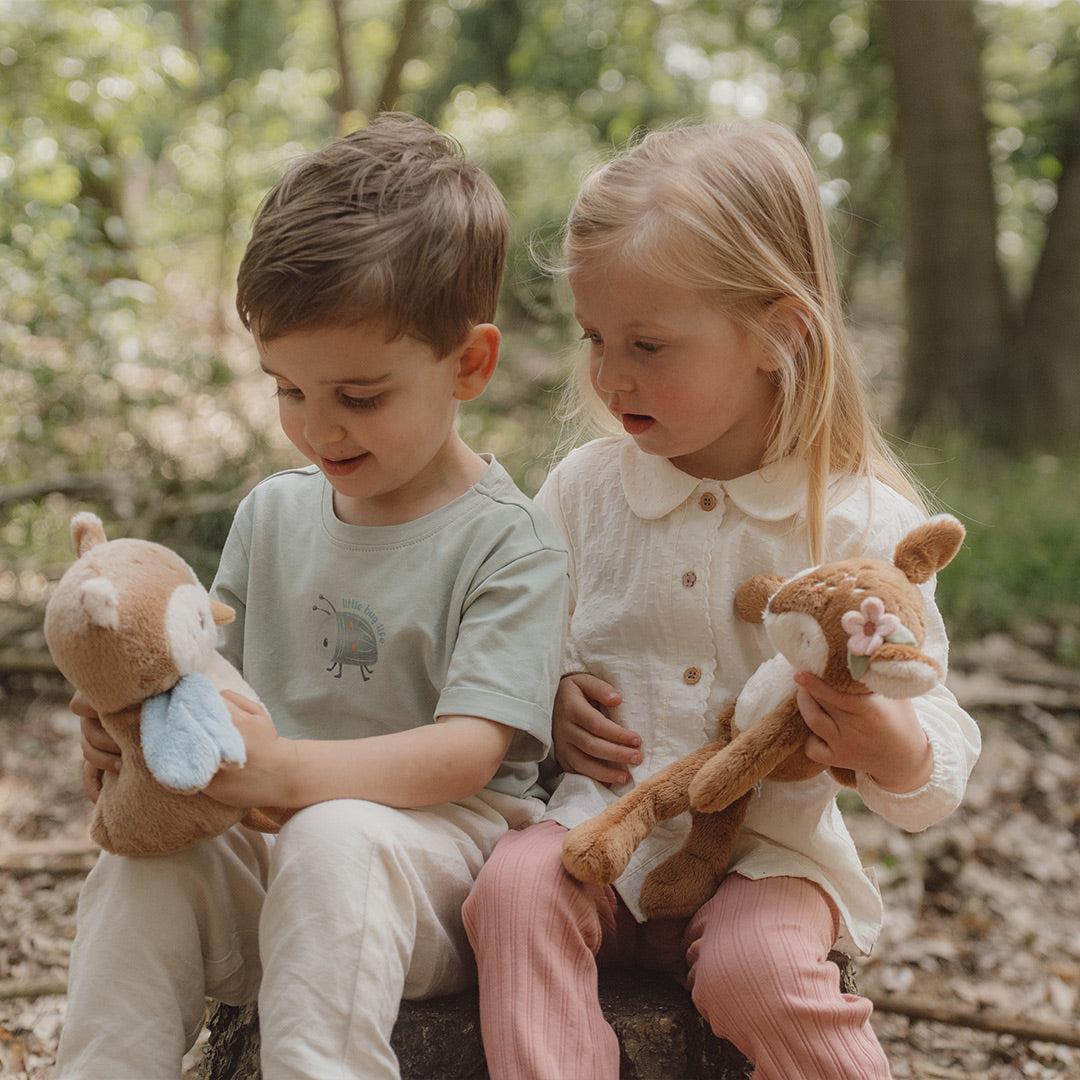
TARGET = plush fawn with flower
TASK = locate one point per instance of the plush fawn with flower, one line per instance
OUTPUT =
(858, 625)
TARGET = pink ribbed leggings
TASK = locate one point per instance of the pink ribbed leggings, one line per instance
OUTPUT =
(756, 954)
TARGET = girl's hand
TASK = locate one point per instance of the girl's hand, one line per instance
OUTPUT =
(586, 740)
(267, 777)
(100, 753)
(869, 733)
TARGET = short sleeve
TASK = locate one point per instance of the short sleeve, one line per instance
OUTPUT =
(230, 586)
(507, 660)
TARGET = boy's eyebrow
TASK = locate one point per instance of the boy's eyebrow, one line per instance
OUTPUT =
(359, 380)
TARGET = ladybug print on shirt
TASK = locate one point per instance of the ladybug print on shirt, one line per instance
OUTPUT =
(349, 635)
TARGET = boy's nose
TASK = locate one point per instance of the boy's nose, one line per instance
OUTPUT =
(322, 430)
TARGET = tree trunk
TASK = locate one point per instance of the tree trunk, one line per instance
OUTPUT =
(346, 100)
(411, 19)
(957, 306)
(1051, 325)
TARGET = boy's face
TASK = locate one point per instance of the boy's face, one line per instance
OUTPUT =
(376, 416)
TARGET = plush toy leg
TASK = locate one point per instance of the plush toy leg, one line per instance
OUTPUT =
(748, 758)
(681, 884)
(598, 850)
(268, 819)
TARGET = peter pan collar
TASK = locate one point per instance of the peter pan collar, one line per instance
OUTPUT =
(654, 487)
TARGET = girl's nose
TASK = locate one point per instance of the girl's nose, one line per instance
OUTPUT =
(610, 375)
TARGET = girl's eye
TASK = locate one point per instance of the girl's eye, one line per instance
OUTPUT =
(647, 346)
(592, 337)
(287, 391)
(361, 402)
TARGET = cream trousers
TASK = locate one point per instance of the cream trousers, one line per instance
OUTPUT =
(352, 907)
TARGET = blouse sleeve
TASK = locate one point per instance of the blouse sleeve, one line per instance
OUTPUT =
(953, 735)
(549, 501)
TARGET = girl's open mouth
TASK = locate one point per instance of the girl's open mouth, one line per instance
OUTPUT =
(342, 467)
(635, 423)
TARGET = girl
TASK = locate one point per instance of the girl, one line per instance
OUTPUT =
(703, 280)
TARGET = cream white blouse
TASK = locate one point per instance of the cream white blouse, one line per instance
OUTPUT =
(655, 558)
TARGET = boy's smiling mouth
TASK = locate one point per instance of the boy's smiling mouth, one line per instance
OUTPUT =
(342, 466)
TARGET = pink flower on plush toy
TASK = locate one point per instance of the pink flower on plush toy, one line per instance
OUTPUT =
(868, 627)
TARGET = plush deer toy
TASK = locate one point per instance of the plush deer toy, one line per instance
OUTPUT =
(859, 625)
(131, 627)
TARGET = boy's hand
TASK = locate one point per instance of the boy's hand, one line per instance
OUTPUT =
(100, 753)
(266, 778)
(869, 733)
(586, 740)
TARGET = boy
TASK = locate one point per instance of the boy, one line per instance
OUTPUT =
(400, 609)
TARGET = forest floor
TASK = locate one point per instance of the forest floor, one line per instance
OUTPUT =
(982, 911)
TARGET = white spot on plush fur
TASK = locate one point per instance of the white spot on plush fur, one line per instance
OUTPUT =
(767, 689)
(101, 602)
(901, 678)
(800, 638)
(189, 628)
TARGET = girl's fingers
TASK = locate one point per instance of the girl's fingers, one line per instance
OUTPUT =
(595, 689)
(817, 719)
(818, 750)
(603, 727)
(573, 760)
(603, 749)
(99, 759)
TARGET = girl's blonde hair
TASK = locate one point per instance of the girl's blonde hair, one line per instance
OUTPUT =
(733, 211)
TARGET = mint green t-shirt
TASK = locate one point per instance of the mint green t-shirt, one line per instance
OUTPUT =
(346, 631)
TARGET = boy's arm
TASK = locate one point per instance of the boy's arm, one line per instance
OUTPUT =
(496, 702)
(442, 762)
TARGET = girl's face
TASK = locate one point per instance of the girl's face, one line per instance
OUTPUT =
(685, 380)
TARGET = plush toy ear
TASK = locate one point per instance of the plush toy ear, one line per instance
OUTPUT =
(86, 532)
(928, 548)
(753, 596)
(223, 614)
(100, 599)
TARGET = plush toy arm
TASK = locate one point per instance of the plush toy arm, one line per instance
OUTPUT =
(748, 758)
(187, 734)
(598, 850)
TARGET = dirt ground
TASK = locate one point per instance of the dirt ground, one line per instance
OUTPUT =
(982, 911)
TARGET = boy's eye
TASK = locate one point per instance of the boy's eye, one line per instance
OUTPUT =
(361, 402)
(592, 337)
(647, 346)
(287, 391)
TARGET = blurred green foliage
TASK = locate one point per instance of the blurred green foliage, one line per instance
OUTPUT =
(136, 139)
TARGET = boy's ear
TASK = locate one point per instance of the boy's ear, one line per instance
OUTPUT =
(476, 359)
(786, 321)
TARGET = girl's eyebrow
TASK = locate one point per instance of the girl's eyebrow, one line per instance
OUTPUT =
(359, 380)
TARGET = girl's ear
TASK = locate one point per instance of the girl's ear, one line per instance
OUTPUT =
(787, 322)
(476, 359)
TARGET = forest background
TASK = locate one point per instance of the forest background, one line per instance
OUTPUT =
(136, 140)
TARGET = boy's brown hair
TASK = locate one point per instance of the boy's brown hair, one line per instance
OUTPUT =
(389, 222)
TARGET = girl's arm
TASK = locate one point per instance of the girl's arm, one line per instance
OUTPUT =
(912, 756)
(585, 739)
(442, 762)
